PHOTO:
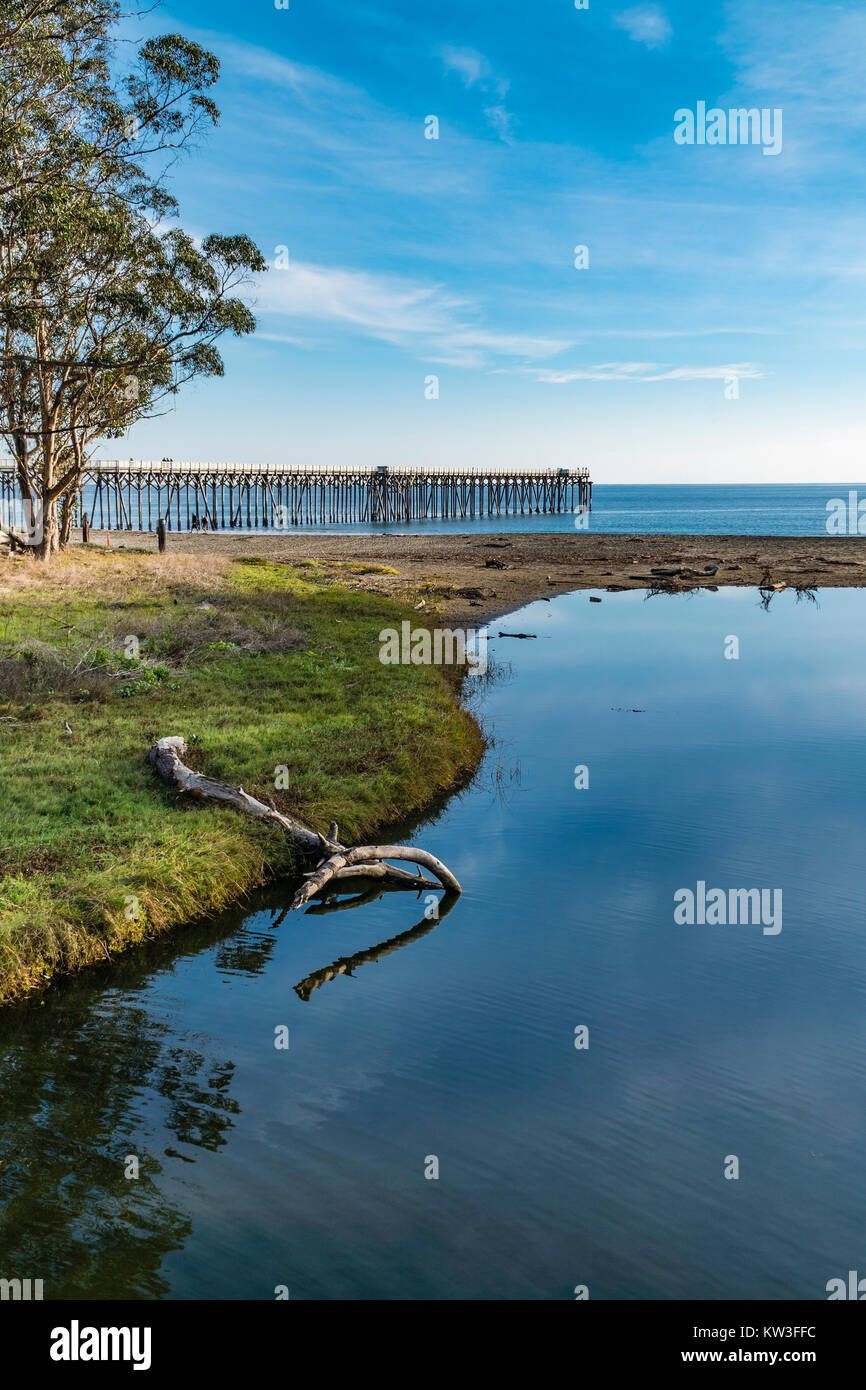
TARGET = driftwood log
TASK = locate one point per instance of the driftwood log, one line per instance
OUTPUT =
(13, 541)
(331, 861)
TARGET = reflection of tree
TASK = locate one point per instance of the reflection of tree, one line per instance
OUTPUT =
(346, 965)
(78, 1074)
(198, 1097)
(768, 592)
(91, 1075)
(245, 954)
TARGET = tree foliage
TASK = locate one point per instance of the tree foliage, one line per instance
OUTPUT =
(108, 307)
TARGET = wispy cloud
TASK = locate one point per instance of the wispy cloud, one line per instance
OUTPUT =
(387, 307)
(321, 127)
(474, 347)
(806, 57)
(801, 50)
(646, 24)
(653, 333)
(427, 319)
(470, 65)
(305, 82)
(474, 70)
(647, 371)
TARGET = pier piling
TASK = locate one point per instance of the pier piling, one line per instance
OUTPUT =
(128, 495)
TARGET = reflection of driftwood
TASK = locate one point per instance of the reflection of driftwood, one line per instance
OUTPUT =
(332, 860)
(331, 903)
(346, 965)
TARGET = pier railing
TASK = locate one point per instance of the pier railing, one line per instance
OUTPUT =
(117, 494)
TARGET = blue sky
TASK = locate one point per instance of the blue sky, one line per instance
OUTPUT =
(411, 257)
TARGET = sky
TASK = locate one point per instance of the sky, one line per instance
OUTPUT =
(714, 327)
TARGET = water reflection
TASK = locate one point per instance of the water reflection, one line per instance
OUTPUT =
(91, 1078)
(80, 1085)
(347, 965)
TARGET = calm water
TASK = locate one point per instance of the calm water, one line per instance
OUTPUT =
(688, 509)
(759, 509)
(305, 1167)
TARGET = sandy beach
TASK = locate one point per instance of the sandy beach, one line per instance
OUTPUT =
(473, 578)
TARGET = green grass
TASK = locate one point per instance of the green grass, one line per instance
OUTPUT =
(257, 668)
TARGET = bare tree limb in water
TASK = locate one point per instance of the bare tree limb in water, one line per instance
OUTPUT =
(332, 861)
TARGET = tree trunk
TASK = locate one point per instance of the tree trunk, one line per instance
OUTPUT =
(67, 513)
(50, 541)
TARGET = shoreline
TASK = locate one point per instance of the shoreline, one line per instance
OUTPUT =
(473, 578)
(318, 581)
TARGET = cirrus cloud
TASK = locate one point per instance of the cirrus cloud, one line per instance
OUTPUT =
(474, 70)
(646, 24)
(647, 371)
(426, 319)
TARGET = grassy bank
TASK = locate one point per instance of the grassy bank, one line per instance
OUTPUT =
(258, 666)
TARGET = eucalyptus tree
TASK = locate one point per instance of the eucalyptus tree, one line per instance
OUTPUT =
(49, 18)
(117, 325)
(107, 309)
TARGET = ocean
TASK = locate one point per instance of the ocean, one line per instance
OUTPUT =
(757, 509)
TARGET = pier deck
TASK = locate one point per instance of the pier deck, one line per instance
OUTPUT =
(133, 495)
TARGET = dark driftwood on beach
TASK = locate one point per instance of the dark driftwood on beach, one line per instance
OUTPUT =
(332, 861)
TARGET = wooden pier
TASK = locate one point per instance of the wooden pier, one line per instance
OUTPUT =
(134, 495)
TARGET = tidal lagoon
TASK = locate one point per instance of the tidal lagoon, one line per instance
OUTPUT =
(581, 1065)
